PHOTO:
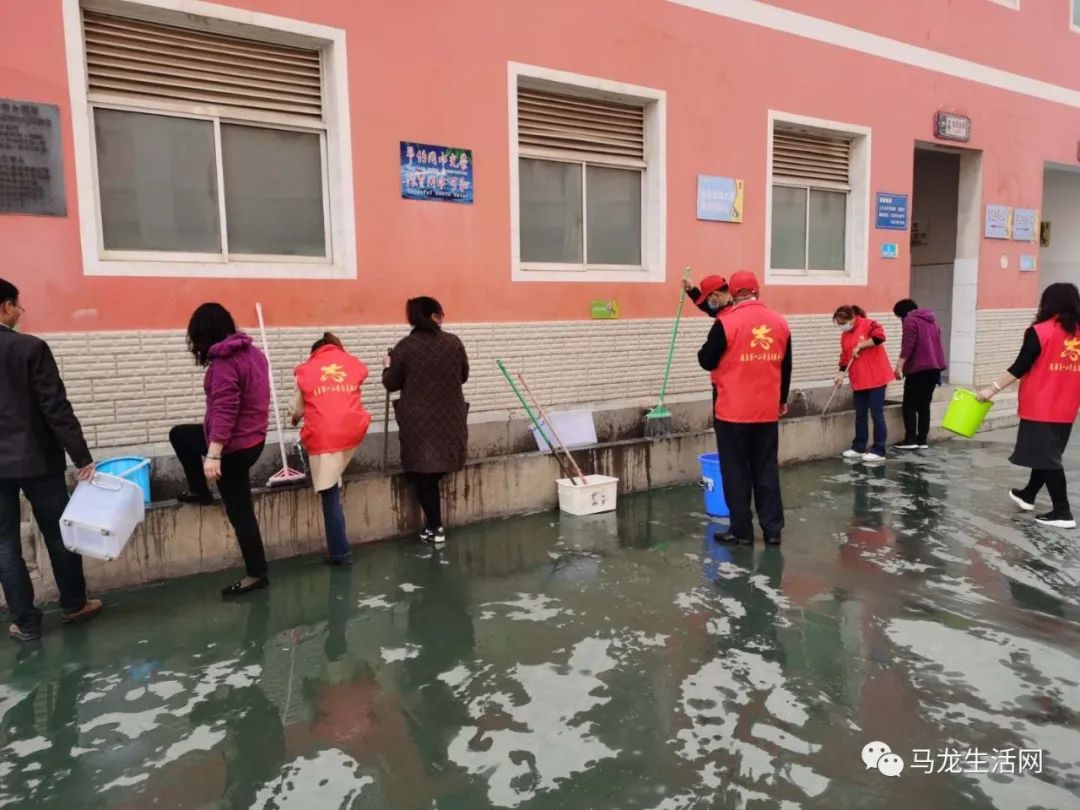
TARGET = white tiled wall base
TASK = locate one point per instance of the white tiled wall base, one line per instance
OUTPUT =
(129, 388)
(997, 342)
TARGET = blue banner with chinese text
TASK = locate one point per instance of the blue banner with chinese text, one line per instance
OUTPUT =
(436, 173)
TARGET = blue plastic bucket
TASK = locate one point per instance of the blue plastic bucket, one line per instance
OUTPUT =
(713, 485)
(134, 468)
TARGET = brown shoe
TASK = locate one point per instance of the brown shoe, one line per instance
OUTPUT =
(89, 610)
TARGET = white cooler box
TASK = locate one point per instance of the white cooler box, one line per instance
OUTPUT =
(101, 516)
(596, 495)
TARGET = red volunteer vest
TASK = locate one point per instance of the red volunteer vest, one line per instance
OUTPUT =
(1050, 391)
(748, 376)
(872, 368)
(334, 415)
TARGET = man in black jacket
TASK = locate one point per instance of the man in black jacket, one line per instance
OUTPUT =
(37, 424)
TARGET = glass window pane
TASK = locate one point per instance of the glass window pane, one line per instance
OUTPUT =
(1076, 12)
(273, 191)
(158, 181)
(828, 220)
(551, 216)
(788, 228)
(613, 201)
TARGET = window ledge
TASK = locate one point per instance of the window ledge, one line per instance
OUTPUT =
(814, 278)
(577, 272)
(300, 270)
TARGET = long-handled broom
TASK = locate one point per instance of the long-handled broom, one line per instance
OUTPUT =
(554, 432)
(386, 428)
(836, 388)
(658, 420)
(536, 422)
(286, 475)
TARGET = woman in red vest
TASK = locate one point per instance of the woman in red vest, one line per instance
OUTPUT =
(328, 399)
(862, 356)
(1048, 368)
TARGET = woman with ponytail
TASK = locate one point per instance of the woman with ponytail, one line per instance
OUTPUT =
(863, 358)
(328, 399)
(429, 368)
(1048, 368)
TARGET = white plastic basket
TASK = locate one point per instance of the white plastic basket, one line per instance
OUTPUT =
(101, 516)
(596, 495)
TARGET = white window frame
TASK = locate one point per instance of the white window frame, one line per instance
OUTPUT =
(1013, 4)
(857, 220)
(653, 185)
(336, 147)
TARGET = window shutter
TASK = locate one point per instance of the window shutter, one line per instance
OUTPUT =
(149, 61)
(553, 122)
(811, 158)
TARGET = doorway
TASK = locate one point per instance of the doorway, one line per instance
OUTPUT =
(1059, 254)
(946, 191)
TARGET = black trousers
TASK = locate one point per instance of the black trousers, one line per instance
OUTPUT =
(1056, 485)
(427, 493)
(918, 394)
(750, 467)
(48, 498)
(189, 443)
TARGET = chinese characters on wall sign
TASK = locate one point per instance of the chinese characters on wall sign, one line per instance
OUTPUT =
(436, 173)
(31, 171)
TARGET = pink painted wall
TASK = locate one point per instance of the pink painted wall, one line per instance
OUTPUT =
(1034, 40)
(721, 78)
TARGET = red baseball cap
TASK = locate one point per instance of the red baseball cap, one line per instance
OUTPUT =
(743, 282)
(711, 284)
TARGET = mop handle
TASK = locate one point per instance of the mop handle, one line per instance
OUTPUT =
(532, 416)
(674, 335)
(550, 424)
(273, 388)
(836, 388)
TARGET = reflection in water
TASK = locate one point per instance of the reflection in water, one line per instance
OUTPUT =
(623, 660)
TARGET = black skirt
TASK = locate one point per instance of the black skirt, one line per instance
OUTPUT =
(1039, 445)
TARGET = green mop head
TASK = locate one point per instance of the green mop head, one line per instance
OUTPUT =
(658, 421)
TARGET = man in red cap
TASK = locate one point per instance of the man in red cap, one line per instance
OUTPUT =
(713, 296)
(713, 299)
(748, 352)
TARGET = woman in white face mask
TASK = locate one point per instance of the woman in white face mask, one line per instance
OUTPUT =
(863, 357)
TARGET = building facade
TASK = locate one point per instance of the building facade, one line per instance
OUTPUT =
(527, 164)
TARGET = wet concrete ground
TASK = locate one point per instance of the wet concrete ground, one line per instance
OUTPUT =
(619, 661)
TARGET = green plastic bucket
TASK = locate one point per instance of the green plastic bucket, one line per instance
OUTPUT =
(965, 413)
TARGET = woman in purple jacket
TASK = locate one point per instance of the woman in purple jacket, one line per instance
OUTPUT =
(231, 438)
(921, 361)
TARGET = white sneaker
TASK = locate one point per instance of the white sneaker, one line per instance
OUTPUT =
(873, 457)
(438, 537)
(924, 447)
(1014, 496)
(849, 453)
(1057, 520)
(906, 446)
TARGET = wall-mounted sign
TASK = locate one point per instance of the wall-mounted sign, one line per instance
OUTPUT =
(1044, 234)
(952, 127)
(31, 171)
(719, 199)
(436, 173)
(1025, 224)
(919, 234)
(1027, 263)
(604, 310)
(998, 222)
(890, 250)
(892, 211)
